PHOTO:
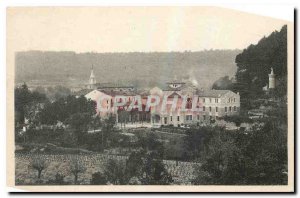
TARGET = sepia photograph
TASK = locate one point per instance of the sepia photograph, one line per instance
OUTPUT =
(149, 99)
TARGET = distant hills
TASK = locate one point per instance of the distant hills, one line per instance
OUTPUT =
(141, 69)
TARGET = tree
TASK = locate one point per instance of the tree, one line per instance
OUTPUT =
(76, 167)
(26, 100)
(134, 165)
(217, 160)
(224, 83)
(114, 171)
(79, 122)
(59, 180)
(108, 131)
(150, 142)
(146, 168)
(237, 119)
(96, 122)
(154, 171)
(265, 154)
(197, 141)
(98, 179)
(38, 163)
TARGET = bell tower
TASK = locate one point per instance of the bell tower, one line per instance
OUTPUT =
(92, 81)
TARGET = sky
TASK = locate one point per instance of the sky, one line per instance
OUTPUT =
(131, 29)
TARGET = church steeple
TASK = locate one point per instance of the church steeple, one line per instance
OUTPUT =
(92, 81)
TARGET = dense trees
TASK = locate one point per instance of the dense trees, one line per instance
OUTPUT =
(54, 93)
(197, 141)
(79, 123)
(224, 83)
(141, 167)
(64, 108)
(98, 179)
(254, 64)
(237, 119)
(26, 103)
(255, 157)
(64, 122)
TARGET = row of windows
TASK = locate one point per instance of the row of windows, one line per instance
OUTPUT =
(230, 109)
(211, 99)
(210, 117)
(216, 100)
(231, 100)
(178, 118)
(217, 109)
(187, 117)
(190, 117)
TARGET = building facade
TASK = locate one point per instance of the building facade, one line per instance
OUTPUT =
(210, 105)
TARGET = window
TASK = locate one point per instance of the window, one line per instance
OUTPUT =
(204, 117)
(225, 109)
(203, 108)
(203, 100)
(210, 100)
(216, 109)
(171, 118)
(188, 117)
(166, 120)
(198, 117)
(216, 100)
(230, 109)
(233, 99)
(234, 108)
(228, 100)
(178, 118)
(209, 109)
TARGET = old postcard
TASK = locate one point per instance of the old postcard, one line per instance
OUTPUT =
(149, 99)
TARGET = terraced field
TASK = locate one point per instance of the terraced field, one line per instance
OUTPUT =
(182, 172)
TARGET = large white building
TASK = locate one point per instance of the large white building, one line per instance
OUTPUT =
(211, 104)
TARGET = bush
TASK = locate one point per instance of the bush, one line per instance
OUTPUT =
(98, 179)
